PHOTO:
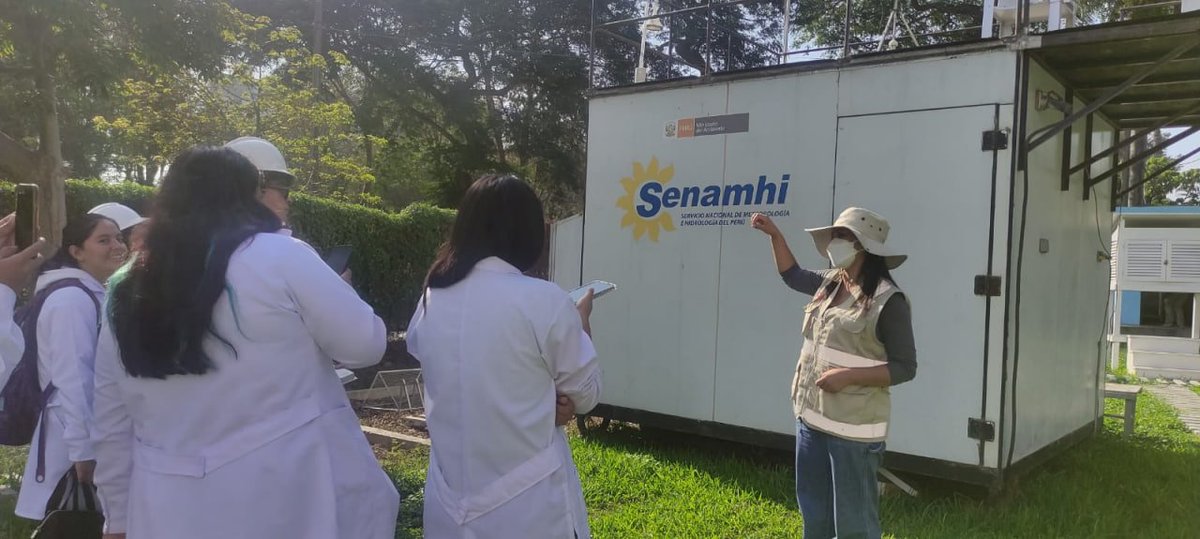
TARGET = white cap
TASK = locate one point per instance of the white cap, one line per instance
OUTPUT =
(125, 217)
(263, 154)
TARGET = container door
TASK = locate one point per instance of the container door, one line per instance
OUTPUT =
(928, 174)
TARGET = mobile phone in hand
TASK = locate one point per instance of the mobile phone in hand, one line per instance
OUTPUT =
(339, 258)
(27, 214)
(600, 287)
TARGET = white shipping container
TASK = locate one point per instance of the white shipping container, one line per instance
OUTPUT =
(703, 335)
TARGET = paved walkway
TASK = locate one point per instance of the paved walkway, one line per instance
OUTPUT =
(1185, 401)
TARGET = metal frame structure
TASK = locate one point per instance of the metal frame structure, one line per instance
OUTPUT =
(783, 53)
(1158, 90)
(1155, 95)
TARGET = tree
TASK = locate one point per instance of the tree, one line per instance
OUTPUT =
(53, 45)
(1175, 187)
(453, 88)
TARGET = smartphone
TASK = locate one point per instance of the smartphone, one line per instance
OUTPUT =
(339, 258)
(27, 214)
(601, 288)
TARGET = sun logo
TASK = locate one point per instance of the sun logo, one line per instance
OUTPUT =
(641, 176)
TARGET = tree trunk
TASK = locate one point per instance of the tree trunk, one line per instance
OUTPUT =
(1138, 171)
(319, 50)
(50, 176)
(151, 173)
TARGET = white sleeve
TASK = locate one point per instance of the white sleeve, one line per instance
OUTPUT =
(340, 322)
(12, 343)
(571, 358)
(66, 333)
(113, 431)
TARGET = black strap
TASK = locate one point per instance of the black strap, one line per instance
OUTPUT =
(40, 474)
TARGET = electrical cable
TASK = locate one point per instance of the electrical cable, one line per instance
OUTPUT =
(1012, 441)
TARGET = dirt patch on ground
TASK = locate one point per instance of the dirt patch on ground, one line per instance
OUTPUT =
(393, 421)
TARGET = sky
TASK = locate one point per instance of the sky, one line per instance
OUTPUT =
(1185, 146)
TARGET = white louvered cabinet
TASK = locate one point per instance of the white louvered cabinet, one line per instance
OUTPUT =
(1183, 260)
(1158, 260)
(1144, 260)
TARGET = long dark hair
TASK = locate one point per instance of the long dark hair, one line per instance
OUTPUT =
(499, 216)
(75, 234)
(162, 308)
(874, 271)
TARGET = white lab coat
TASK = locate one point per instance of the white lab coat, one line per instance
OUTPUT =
(264, 445)
(494, 350)
(12, 343)
(66, 339)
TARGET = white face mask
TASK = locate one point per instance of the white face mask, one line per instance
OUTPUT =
(841, 253)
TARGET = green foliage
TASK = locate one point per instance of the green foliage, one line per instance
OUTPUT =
(1174, 187)
(392, 251)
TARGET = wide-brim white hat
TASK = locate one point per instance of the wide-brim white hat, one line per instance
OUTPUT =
(869, 227)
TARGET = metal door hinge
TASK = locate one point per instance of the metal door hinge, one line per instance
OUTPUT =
(979, 429)
(995, 140)
(987, 285)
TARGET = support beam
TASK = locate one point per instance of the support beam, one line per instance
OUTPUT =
(1157, 173)
(1121, 144)
(1144, 154)
(1112, 163)
(1128, 54)
(1053, 130)
(1088, 133)
(1065, 184)
(1138, 123)
(1101, 85)
(1179, 97)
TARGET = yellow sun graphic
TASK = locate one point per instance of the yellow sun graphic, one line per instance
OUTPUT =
(641, 175)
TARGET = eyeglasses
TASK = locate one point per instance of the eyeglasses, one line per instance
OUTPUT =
(286, 193)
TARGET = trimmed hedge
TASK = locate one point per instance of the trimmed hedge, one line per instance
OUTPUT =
(392, 251)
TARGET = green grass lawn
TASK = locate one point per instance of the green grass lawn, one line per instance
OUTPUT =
(12, 467)
(655, 484)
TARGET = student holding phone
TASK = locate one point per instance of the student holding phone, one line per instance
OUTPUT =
(275, 181)
(217, 413)
(502, 354)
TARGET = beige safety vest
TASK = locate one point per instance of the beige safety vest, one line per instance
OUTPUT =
(843, 336)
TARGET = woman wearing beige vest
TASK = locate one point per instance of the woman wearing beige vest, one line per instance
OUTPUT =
(858, 341)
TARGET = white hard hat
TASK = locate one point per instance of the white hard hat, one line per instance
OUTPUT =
(125, 217)
(264, 155)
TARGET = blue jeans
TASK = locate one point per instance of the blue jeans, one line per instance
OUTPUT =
(836, 486)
